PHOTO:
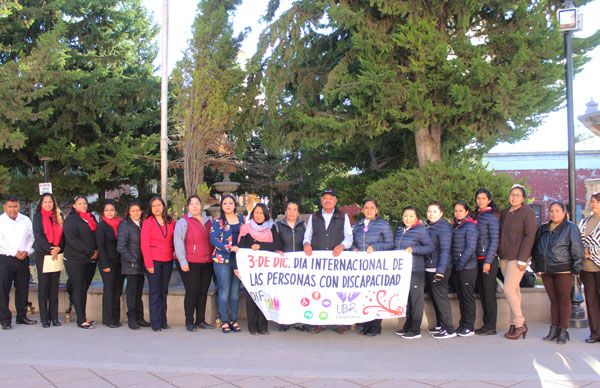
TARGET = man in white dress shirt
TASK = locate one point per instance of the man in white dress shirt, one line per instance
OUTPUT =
(16, 242)
(328, 230)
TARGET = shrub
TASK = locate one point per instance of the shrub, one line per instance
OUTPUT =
(445, 182)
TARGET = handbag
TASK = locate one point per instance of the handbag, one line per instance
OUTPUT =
(576, 293)
(529, 278)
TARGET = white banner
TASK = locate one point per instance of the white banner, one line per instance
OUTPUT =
(325, 290)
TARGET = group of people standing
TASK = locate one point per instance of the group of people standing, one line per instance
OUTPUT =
(464, 254)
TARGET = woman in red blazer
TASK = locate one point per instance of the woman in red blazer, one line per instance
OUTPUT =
(156, 240)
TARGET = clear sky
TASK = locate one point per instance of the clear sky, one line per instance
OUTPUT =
(551, 135)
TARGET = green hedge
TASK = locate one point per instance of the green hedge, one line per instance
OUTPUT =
(445, 182)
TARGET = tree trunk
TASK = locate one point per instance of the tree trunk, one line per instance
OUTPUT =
(373, 164)
(428, 142)
(194, 161)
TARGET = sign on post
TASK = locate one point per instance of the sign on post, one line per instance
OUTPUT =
(570, 19)
(45, 187)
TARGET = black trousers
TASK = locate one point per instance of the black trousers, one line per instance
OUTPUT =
(414, 307)
(591, 288)
(466, 297)
(439, 290)
(13, 270)
(78, 275)
(90, 272)
(47, 291)
(111, 294)
(159, 290)
(486, 286)
(257, 322)
(196, 282)
(133, 296)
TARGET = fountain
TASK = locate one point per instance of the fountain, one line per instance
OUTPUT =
(226, 186)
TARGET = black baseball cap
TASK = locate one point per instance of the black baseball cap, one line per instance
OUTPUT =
(328, 192)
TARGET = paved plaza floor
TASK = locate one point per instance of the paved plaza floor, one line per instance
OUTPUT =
(71, 357)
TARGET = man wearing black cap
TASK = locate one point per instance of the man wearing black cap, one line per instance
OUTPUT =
(16, 245)
(326, 230)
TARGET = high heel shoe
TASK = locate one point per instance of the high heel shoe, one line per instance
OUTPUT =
(552, 334)
(518, 332)
(510, 331)
(563, 336)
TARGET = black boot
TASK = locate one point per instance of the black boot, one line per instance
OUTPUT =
(552, 334)
(563, 336)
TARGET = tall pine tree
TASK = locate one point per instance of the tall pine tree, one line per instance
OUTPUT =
(207, 84)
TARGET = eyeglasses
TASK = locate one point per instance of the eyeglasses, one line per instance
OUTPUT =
(516, 194)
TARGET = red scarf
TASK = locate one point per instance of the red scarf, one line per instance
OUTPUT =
(52, 229)
(459, 223)
(87, 217)
(113, 223)
(417, 222)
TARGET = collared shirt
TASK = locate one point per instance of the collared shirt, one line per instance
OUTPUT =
(15, 235)
(347, 243)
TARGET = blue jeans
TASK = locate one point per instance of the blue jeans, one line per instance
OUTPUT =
(229, 291)
(158, 290)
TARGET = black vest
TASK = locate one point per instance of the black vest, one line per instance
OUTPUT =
(326, 239)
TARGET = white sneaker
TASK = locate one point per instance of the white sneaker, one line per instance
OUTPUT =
(444, 334)
(465, 332)
(411, 335)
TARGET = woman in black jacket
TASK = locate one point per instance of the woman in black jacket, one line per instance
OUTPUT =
(128, 246)
(260, 233)
(488, 224)
(291, 233)
(557, 255)
(48, 240)
(438, 268)
(109, 262)
(464, 244)
(80, 254)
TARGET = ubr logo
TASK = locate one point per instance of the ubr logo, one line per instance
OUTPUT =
(350, 296)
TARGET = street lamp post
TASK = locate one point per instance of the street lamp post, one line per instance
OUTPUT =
(164, 140)
(569, 20)
(45, 159)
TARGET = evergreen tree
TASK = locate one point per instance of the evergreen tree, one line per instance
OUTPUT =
(77, 86)
(207, 83)
(439, 75)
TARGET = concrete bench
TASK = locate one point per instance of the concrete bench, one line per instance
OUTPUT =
(535, 303)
